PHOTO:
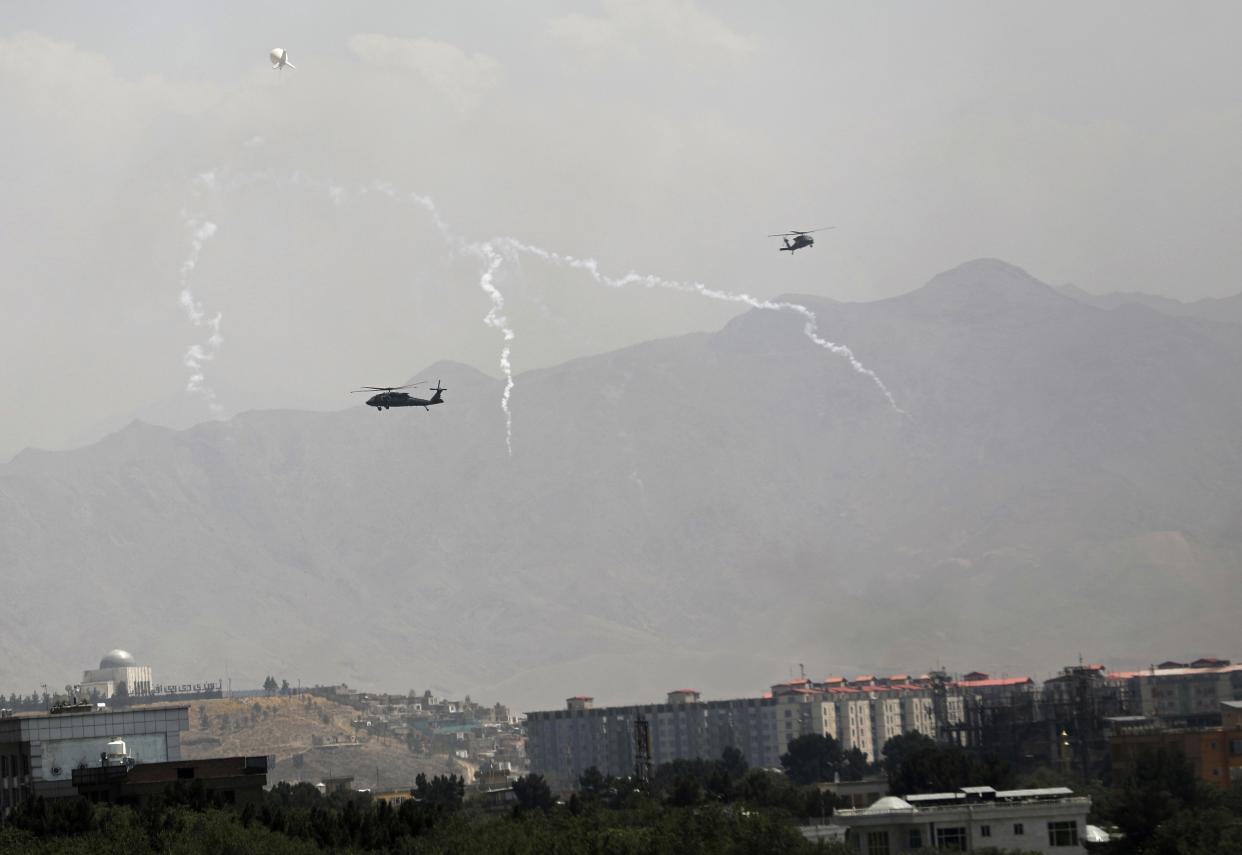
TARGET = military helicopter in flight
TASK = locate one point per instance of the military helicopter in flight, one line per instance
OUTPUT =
(800, 239)
(392, 396)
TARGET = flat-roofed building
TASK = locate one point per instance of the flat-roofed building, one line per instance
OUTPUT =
(226, 780)
(1188, 694)
(1215, 753)
(1051, 820)
(562, 744)
(39, 751)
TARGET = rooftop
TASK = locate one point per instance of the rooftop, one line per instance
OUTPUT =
(973, 796)
(71, 712)
(1184, 671)
(998, 681)
(117, 659)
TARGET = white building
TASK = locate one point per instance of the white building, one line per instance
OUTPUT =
(117, 669)
(1052, 821)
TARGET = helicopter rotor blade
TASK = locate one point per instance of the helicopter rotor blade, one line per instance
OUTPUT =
(386, 388)
(810, 231)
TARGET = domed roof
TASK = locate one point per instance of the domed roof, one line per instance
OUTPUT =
(117, 659)
(890, 803)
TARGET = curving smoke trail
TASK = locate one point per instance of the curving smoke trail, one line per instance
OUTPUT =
(486, 252)
(811, 330)
(201, 231)
(497, 321)
(492, 254)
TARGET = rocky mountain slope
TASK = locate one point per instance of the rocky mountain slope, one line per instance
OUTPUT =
(706, 510)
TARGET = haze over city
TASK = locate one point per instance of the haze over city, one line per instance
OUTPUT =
(364, 360)
(1080, 143)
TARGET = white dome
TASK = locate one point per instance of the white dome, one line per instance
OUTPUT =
(117, 659)
(890, 803)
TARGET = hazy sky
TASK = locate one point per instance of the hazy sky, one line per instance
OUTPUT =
(1099, 144)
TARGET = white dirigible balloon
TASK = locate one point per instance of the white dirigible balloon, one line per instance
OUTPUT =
(280, 59)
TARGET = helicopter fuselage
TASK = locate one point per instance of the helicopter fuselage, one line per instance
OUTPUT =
(384, 400)
(797, 243)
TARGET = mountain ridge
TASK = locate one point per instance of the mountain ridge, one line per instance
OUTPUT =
(705, 508)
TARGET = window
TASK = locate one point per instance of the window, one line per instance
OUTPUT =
(916, 839)
(877, 843)
(953, 839)
(985, 831)
(185, 773)
(1018, 830)
(1235, 747)
(1063, 833)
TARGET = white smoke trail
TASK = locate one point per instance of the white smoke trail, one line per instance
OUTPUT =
(497, 321)
(486, 252)
(201, 231)
(339, 195)
(811, 330)
(492, 254)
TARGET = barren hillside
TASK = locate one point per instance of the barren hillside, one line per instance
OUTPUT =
(317, 730)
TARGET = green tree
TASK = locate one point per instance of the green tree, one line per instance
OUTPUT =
(1161, 785)
(734, 762)
(533, 793)
(916, 764)
(270, 685)
(442, 791)
(813, 757)
(592, 784)
(899, 753)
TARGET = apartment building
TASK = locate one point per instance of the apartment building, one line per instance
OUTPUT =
(562, 744)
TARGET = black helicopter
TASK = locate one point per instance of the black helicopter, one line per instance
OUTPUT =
(800, 239)
(392, 396)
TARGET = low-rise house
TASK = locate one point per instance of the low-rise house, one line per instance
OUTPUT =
(1051, 820)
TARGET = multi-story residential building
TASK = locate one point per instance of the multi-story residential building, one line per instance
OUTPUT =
(887, 720)
(562, 744)
(1048, 821)
(997, 690)
(855, 726)
(861, 714)
(918, 712)
(1191, 694)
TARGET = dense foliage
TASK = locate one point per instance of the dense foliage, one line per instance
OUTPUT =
(739, 812)
(813, 757)
(1163, 809)
(689, 806)
(917, 764)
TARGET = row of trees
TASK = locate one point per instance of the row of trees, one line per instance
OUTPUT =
(298, 819)
(271, 685)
